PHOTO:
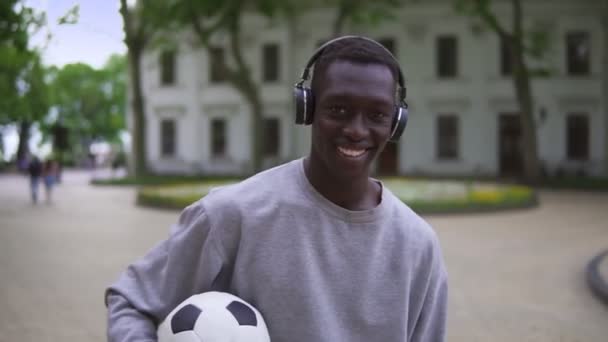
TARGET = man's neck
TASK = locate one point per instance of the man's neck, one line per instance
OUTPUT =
(360, 193)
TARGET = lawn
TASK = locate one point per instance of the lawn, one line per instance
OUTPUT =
(424, 196)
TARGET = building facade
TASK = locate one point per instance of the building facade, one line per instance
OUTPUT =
(463, 112)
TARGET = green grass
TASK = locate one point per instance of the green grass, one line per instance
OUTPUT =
(423, 196)
(577, 183)
(149, 180)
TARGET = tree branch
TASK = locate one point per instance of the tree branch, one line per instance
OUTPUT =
(204, 33)
(489, 18)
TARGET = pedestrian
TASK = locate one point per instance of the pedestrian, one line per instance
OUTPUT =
(324, 251)
(49, 173)
(35, 172)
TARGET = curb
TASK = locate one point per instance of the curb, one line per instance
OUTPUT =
(598, 285)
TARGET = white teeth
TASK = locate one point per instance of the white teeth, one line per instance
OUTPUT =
(351, 153)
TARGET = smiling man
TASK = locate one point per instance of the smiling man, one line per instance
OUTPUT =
(325, 252)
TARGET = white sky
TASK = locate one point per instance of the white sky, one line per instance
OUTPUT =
(96, 36)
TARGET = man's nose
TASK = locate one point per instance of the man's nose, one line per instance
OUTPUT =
(355, 129)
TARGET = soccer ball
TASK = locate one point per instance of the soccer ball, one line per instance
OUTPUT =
(213, 317)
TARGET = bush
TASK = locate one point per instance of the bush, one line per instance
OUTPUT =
(427, 196)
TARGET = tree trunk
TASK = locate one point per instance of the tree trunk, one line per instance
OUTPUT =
(529, 151)
(605, 64)
(23, 148)
(523, 91)
(241, 79)
(257, 122)
(138, 146)
(135, 37)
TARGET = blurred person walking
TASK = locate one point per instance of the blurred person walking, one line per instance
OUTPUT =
(35, 171)
(50, 172)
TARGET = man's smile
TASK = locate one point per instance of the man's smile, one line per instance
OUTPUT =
(351, 152)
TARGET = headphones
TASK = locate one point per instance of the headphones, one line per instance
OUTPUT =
(304, 100)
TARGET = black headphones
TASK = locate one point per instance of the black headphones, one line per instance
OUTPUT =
(304, 100)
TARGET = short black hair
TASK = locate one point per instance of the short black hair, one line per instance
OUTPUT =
(356, 50)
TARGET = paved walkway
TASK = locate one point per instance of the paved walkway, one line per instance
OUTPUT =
(514, 276)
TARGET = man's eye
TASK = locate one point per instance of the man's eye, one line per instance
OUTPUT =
(379, 116)
(337, 111)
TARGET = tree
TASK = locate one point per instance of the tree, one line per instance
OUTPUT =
(210, 17)
(364, 12)
(140, 23)
(521, 44)
(24, 99)
(21, 76)
(88, 103)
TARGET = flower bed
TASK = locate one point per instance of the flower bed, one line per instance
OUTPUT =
(423, 196)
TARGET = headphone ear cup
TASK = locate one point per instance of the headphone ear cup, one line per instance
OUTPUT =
(298, 99)
(304, 105)
(399, 123)
(310, 106)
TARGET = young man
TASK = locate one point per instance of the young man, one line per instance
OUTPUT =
(325, 252)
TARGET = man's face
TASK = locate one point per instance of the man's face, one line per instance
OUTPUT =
(354, 108)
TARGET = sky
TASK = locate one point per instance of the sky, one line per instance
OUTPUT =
(97, 35)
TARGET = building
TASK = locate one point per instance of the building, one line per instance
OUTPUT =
(463, 111)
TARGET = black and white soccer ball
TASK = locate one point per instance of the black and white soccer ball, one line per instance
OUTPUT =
(213, 317)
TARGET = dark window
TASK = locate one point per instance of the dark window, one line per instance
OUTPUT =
(578, 46)
(447, 135)
(217, 72)
(447, 56)
(271, 137)
(218, 137)
(271, 62)
(577, 136)
(167, 134)
(167, 67)
(389, 44)
(505, 58)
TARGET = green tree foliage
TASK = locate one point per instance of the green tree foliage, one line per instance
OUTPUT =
(89, 102)
(523, 45)
(363, 12)
(23, 99)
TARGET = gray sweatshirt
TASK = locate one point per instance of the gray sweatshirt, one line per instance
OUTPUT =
(316, 271)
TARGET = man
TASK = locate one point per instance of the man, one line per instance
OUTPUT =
(35, 172)
(325, 252)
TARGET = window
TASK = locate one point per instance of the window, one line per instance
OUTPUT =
(218, 137)
(505, 58)
(271, 137)
(167, 67)
(447, 56)
(578, 46)
(389, 44)
(271, 62)
(217, 71)
(447, 135)
(577, 136)
(167, 136)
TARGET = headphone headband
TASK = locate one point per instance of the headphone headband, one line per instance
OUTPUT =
(319, 51)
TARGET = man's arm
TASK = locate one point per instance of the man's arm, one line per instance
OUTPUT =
(431, 323)
(185, 264)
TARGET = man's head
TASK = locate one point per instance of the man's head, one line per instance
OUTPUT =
(354, 85)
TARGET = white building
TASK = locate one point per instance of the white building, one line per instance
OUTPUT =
(462, 106)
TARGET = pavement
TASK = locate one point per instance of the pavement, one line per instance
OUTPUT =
(514, 276)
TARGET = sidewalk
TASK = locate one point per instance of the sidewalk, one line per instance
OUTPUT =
(516, 276)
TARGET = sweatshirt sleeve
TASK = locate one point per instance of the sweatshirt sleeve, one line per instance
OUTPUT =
(431, 323)
(186, 263)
